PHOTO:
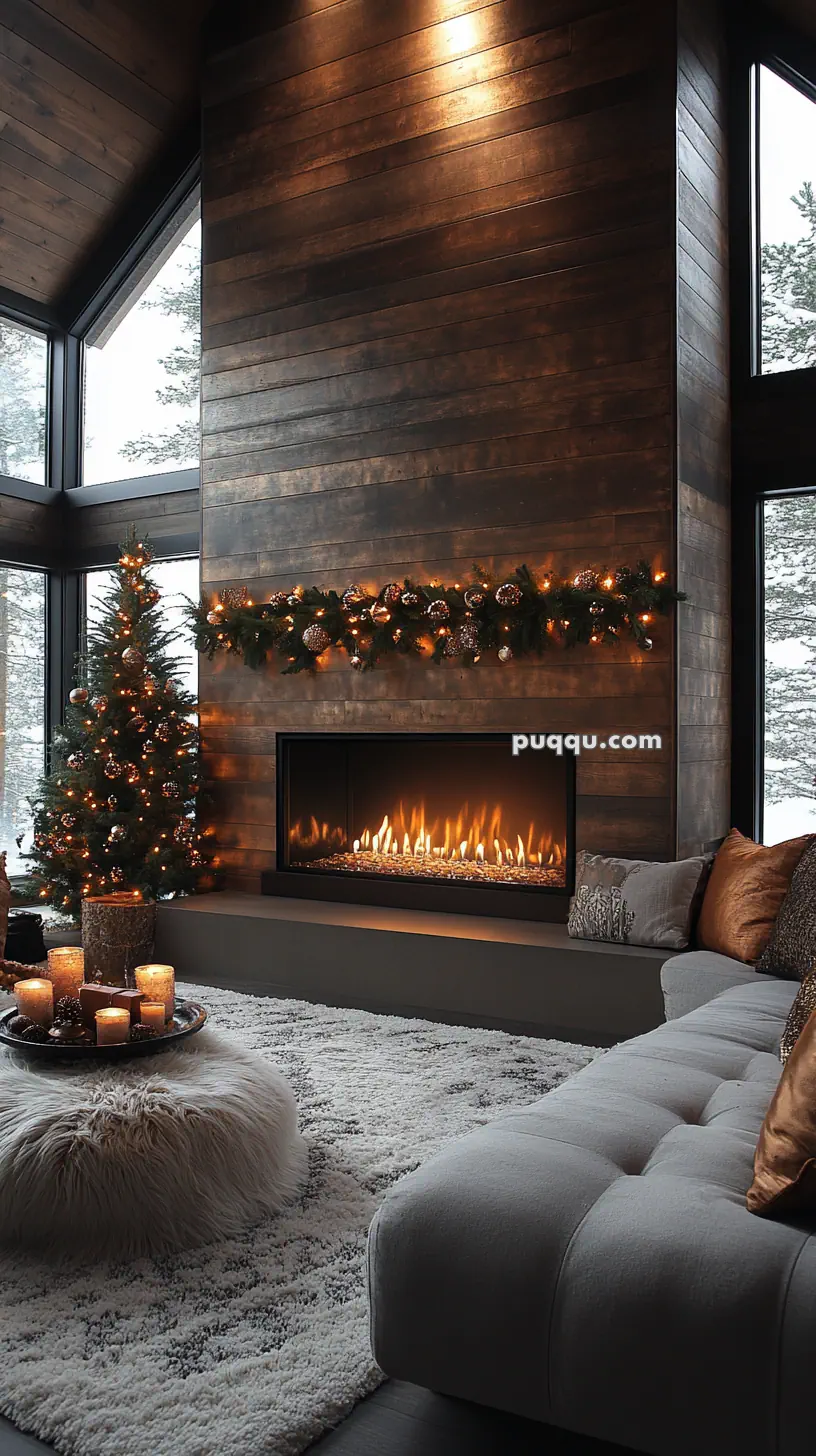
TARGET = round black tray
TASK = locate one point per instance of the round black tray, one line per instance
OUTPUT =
(188, 1018)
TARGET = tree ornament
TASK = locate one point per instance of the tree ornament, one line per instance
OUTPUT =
(171, 789)
(69, 821)
(392, 594)
(647, 644)
(438, 610)
(410, 598)
(277, 601)
(132, 773)
(623, 578)
(585, 581)
(235, 596)
(113, 767)
(76, 760)
(113, 803)
(353, 596)
(133, 658)
(464, 639)
(380, 613)
(182, 831)
(356, 661)
(138, 722)
(99, 704)
(508, 594)
(68, 1008)
(316, 638)
(214, 618)
(148, 746)
(150, 683)
(78, 697)
(150, 597)
(505, 653)
(117, 875)
(474, 598)
(163, 731)
(118, 832)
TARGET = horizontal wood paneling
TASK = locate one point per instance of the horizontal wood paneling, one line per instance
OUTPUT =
(438, 328)
(703, 424)
(91, 90)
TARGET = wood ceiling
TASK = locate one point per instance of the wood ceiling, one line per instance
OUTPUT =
(90, 93)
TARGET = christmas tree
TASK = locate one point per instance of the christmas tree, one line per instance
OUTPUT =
(117, 811)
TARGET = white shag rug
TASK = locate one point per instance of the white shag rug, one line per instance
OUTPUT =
(259, 1343)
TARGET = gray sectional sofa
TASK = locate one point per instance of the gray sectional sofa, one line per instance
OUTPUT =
(589, 1261)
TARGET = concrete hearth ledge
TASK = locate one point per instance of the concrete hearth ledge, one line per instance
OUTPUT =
(516, 974)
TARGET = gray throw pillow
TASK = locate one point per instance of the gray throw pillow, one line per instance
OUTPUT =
(791, 950)
(634, 900)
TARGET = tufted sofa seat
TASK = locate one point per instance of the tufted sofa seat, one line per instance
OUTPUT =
(589, 1260)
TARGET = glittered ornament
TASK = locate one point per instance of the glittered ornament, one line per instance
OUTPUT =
(78, 696)
(464, 639)
(113, 767)
(170, 789)
(438, 610)
(623, 578)
(117, 875)
(505, 653)
(585, 581)
(163, 731)
(99, 703)
(133, 658)
(380, 613)
(182, 831)
(277, 601)
(118, 832)
(353, 596)
(148, 746)
(150, 684)
(316, 638)
(68, 820)
(508, 594)
(138, 723)
(391, 594)
(474, 598)
(235, 596)
(76, 760)
(410, 598)
(647, 644)
(213, 618)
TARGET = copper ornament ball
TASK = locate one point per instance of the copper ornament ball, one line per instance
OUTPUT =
(410, 598)
(505, 653)
(76, 760)
(474, 598)
(78, 697)
(585, 581)
(508, 594)
(316, 638)
(213, 618)
(438, 610)
(133, 658)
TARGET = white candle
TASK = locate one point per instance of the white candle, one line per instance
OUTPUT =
(66, 970)
(112, 1025)
(158, 983)
(35, 999)
(153, 1014)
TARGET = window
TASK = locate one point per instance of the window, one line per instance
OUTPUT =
(790, 667)
(23, 394)
(175, 580)
(22, 706)
(787, 225)
(142, 369)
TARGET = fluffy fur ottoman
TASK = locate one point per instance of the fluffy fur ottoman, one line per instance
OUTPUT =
(144, 1157)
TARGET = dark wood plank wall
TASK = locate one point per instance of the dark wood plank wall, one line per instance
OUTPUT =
(91, 89)
(703, 423)
(439, 328)
(94, 531)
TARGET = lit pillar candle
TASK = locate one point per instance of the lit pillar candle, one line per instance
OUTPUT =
(35, 999)
(66, 970)
(112, 1025)
(153, 1014)
(158, 983)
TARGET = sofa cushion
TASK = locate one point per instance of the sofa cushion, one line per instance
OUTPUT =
(590, 1260)
(697, 976)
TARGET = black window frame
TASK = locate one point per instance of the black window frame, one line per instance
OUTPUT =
(772, 454)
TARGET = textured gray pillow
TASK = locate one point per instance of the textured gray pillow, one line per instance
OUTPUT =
(634, 900)
(791, 950)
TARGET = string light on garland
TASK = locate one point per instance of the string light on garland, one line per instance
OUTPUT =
(520, 613)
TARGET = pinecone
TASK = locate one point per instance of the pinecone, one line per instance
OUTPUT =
(19, 1024)
(34, 1032)
(140, 1032)
(68, 1008)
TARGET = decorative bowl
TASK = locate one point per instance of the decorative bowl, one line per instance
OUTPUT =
(188, 1018)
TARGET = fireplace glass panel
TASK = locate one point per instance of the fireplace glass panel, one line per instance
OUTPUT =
(441, 808)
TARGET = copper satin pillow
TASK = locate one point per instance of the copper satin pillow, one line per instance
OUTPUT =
(785, 1160)
(745, 889)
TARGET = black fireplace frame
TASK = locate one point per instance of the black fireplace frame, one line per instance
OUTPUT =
(522, 902)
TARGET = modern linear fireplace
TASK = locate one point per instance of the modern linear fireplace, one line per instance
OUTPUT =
(444, 821)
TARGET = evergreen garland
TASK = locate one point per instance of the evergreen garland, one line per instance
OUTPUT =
(518, 617)
(117, 811)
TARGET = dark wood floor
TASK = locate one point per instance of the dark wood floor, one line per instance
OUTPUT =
(403, 1420)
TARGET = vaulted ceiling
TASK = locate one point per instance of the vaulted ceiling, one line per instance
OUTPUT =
(90, 93)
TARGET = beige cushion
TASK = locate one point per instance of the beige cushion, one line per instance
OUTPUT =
(634, 900)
